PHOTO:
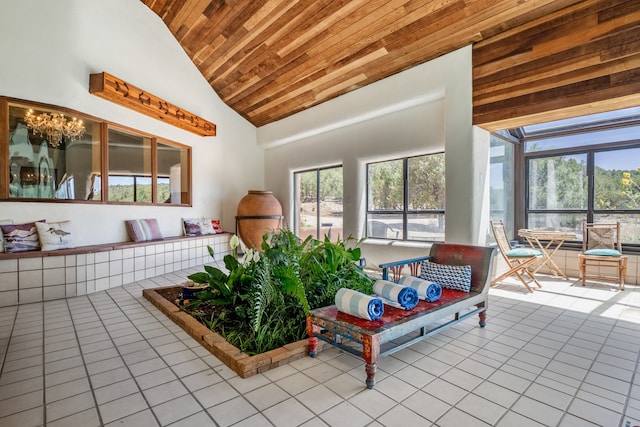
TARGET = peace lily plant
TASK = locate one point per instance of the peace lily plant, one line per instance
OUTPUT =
(261, 300)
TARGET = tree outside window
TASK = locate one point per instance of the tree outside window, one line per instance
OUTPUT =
(595, 186)
(319, 203)
(406, 198)
(617, 190)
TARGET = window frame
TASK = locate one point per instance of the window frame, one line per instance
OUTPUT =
(590, 213)
(405, 212)
(105, 125)
(508, 213)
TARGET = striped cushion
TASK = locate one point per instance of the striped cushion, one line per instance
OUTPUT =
(358, 304)
(400, 296)
(427, 290)
(140, 230)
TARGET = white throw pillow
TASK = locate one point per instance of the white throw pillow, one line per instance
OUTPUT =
(55, 235)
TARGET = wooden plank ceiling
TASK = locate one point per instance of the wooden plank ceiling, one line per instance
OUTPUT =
(579, 60)
(268, 59)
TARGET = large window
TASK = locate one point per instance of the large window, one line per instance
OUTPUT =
(557, 192)
(584, 170)
(55, 156)
(406, 198)
(319, 203)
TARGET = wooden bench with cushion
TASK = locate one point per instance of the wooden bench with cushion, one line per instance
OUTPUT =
(343, 330)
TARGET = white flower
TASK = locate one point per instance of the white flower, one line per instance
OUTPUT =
(248, 255)
(234, 242)
(256, 256)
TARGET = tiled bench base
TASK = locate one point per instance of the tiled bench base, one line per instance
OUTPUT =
(48, 277)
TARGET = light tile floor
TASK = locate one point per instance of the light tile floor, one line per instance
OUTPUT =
(565, 355)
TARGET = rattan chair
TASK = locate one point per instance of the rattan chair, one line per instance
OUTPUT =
(602, 254)
(518, 259)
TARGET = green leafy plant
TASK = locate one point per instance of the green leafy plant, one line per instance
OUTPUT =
(328, 266)
(261, 301)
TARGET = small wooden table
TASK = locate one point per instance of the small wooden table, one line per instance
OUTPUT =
(395, 323)
(553, 239)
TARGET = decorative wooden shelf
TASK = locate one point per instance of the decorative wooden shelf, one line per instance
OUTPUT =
(122, 93)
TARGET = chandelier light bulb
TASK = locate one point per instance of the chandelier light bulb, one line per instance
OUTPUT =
(54, 126)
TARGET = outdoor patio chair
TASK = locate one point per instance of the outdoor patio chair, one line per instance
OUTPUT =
(518, 259)
(602, 250)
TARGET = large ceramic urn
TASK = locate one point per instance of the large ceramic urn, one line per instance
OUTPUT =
(259, 212)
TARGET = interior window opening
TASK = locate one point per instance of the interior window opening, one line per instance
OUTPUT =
(48, 163)
(56, 155)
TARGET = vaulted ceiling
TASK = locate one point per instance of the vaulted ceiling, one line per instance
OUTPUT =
(268, 59)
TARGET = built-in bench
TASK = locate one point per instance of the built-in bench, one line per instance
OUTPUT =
(35, 276)
(397, 328)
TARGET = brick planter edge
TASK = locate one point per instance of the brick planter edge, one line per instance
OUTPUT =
(241, 363)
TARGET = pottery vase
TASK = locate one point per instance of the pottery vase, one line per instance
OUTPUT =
(258, 213)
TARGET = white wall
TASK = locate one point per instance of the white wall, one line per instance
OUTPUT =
(48, 50)
(425, 109)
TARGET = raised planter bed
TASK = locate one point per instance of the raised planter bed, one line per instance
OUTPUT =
(241, 363)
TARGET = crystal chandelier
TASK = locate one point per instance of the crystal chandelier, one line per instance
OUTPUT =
(54, 126)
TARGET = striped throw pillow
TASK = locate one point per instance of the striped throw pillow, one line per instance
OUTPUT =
(141, 230)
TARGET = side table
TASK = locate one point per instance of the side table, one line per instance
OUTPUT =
(553, 239)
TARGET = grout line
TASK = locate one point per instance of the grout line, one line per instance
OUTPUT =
(9, 338)
(588, 370)
(84, 364)
(270, 382)
(121, 300)
(178, 378)
(510, 358)
(44, 377)
(631, 383)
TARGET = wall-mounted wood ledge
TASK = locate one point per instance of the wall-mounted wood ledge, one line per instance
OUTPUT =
(122, 93)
